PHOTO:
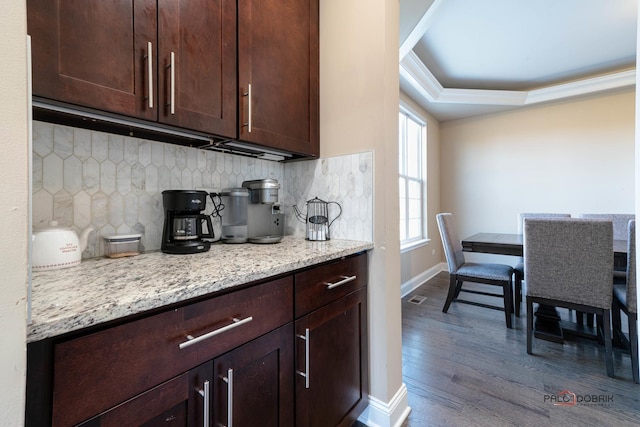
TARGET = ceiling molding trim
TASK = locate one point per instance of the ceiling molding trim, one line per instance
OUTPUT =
(606, 82)
(414, 71)
(418, 31)
(419, 76)
(483, 97)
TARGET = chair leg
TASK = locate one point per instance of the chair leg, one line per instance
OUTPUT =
(458, 288)
(451, 294)
(529, 325)
(599, 329)
(508, 303)
(633, 341)
(608, 348)
(590, 319)
(517, 294)
(616, 324)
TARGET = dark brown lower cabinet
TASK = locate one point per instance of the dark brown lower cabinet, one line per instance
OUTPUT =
(254, 383)
(253, 362)
(178, 402)
(249, 386)
(331, 363)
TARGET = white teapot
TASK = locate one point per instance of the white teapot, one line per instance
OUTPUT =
(57, 247)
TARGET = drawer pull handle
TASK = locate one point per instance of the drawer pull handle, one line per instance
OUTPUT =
(229, 380)
(192, 340)
(206, 397)
(346, 279)
(305, 374)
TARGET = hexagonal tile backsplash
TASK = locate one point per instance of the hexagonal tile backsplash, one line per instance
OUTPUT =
(114, 183)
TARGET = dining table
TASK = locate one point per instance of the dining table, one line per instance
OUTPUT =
(548, 325)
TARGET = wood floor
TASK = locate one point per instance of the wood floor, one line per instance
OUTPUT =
(465, 368)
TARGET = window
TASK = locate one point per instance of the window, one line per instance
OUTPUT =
(412, 155)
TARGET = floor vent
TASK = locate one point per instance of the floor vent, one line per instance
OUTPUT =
(417, 299)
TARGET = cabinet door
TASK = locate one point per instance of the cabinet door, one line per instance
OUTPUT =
(197, 65)
(254, 383)
(95, 53)
(176, 403)
(278, 74)
(331, 352)
(164, 405)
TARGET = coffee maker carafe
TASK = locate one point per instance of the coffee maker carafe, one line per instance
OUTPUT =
(183, 218)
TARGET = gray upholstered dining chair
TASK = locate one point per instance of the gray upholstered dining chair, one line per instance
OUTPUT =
(620, 223)
(518, 270)
(461, 271)
(624, 298)
(620, 230)
(568, 262)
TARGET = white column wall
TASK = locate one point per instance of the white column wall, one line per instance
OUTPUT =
(359, 102)
(13, 205)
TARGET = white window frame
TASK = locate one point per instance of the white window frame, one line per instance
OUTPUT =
(408, 244)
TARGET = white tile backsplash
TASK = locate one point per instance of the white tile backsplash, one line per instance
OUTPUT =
(114, 183)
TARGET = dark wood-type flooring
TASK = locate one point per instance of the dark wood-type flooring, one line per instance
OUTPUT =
(465, 368)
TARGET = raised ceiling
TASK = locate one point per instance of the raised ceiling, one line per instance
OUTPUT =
(461, 58)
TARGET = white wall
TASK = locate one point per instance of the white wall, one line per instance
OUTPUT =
(417, 262)
(13, 204)
(358, 112)
(575, 157)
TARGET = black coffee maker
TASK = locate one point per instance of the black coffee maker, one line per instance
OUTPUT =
(183, 218)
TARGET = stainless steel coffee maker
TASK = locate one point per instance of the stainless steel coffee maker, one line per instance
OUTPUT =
(252, 213)
(183, 220)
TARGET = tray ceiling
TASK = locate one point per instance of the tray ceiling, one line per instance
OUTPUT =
(460, 58)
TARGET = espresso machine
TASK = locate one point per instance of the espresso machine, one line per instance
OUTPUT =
(183, 219)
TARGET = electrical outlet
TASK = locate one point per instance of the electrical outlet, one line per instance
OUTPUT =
(433, 251)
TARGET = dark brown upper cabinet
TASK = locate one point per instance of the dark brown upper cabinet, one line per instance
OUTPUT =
(278, 69)
(167, 61)
(247, 70)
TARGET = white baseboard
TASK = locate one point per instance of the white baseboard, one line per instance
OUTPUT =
(411, 284)
(387, 414)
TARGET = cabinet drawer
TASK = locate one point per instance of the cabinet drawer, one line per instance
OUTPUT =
(321, 285)
(97, 371)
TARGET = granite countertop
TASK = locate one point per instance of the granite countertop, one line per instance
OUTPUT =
(104, 289)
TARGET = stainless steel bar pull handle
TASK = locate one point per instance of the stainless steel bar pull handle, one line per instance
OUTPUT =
(172, 88)
(193, 340)
(207, 402)
(345, 279)
(150, 73)
(248, 95)
(305, 374)
(229, 380)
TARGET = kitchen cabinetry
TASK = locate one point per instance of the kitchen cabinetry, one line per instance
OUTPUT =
(249, 386)
(177, 402)
(254, 383)
(331, 342)
(278, 69)
(286, 351)
(167, 61)
(186, 63)
(98, 371)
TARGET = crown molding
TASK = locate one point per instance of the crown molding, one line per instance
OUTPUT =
(418, 31)
(416, 73)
